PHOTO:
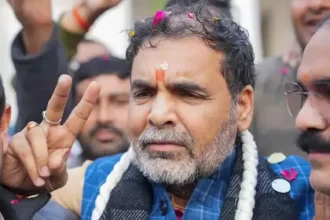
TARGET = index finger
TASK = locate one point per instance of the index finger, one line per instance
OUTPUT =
(57, 102)
(81, 112)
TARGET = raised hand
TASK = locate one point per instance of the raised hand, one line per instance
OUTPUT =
(32, 13)
(36, 19)
(101, 5)
(36, 159)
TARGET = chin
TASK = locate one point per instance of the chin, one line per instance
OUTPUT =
(167, 169)
(320, 181)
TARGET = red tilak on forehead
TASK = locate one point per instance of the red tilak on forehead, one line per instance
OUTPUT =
(304, 78)
(160, 73)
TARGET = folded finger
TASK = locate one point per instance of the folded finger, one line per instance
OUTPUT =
(23, 151)
(81, 112)
(57, 166)
(38, 142)
(57, 102)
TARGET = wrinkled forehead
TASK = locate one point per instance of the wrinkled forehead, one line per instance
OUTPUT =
(187, 57)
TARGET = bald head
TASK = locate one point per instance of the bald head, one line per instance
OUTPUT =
(317, 51)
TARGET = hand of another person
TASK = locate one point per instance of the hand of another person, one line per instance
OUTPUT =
(322, 206)
(100, 6)
(89, 10)
(36, 158)
(32, 13)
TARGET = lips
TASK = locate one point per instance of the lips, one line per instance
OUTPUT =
(318, 156)
(163, 142)
(313, 22)
(161, 145)
(164, 147)
(104, 135)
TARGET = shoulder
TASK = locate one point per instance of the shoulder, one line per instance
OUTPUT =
(102, 166)
(301, 190)
(97, 172)
(303, 169)
(294, 162)
(95, 176)
(54, 211)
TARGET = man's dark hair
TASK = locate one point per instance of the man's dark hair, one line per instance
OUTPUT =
(2, 99)
(99, 66)
(222, 5)
(217, 31)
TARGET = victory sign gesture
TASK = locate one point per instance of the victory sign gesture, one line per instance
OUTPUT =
(36, 159)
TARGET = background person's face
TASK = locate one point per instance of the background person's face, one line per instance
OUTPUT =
(306, 17)
(313, 120)
(105, 132)
(89, 50)
(184, 125)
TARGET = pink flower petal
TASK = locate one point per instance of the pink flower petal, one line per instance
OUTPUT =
(105, 58)
(15, 201)
(159, 17)
(290, 174)
(190, 15)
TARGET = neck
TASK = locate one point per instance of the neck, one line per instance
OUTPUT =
(182, 191)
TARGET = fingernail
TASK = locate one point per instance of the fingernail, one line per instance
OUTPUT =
(39, 182)
(62, 78)
(45, 171)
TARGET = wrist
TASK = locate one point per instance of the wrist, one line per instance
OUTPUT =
(87, 13)
(79, 19)
(35, 38)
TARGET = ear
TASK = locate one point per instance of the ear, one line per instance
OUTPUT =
(4, 126)
(245, 102)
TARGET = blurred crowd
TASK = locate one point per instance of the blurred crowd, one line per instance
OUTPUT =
(186, 127)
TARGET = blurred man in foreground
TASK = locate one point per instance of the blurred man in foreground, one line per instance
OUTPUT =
(309, 101)
(273, 128)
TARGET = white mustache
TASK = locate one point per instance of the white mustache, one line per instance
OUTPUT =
(165, 136)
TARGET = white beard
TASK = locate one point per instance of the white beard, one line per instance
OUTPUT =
(182, 167)
(167, 171)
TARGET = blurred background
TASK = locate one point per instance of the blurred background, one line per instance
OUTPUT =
(267, 21)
